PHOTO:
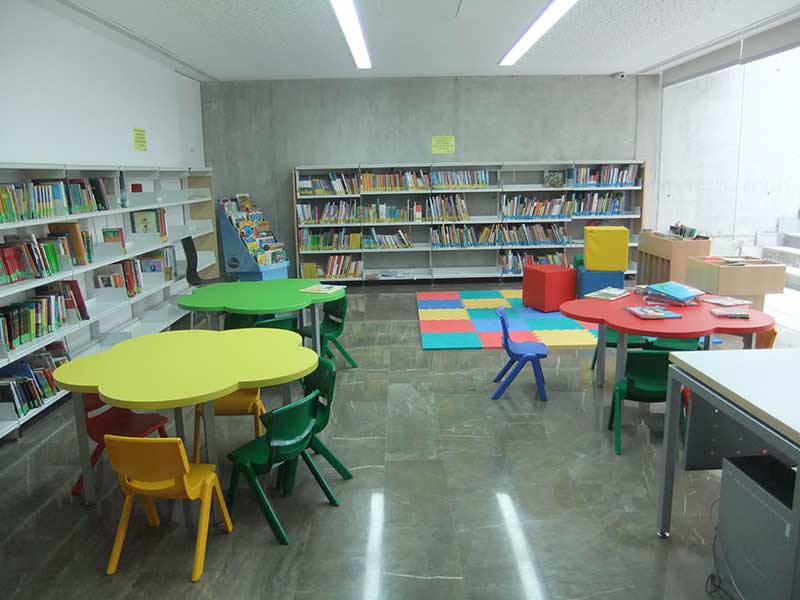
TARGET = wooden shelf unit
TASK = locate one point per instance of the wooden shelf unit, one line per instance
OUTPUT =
(187, 197)
(484, 204)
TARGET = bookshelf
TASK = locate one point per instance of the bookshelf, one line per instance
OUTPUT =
(112, 314)
(463, 220)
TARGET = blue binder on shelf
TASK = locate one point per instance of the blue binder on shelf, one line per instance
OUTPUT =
(238, 259)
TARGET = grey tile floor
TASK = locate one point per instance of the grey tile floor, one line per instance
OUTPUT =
(454, 496)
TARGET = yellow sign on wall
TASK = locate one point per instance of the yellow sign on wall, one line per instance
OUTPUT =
(443, 144)
(139, 140)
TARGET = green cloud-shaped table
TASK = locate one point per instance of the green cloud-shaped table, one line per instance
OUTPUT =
(182, 368)
(255, 297)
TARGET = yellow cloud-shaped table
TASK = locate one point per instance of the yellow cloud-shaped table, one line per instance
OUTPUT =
(183, 368)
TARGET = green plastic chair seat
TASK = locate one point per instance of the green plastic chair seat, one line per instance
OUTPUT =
(331, 327)
(647, 390)
(634, 341)
(676, 344)
(234, 321)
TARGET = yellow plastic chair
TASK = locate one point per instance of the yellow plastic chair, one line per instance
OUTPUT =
(766, 339)
(238, 404)
(159, 468)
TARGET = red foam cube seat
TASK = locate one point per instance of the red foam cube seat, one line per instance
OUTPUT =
(546, 287)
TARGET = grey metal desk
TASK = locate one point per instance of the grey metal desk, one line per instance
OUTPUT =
(748, 398)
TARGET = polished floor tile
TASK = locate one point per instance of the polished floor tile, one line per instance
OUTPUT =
(454, 495)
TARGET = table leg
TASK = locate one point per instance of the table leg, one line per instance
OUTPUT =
(622, 356)
(600, 366)
(315, 328)
(749, 341)
(672, 411)
(179, 431)
(89, 491)
(707, 342)
(287, 393)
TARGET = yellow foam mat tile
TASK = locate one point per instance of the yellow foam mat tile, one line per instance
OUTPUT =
(569, 338)
(511, 293)
(486, 303)
(438, 314)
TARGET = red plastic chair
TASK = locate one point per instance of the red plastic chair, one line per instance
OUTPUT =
(115, 421)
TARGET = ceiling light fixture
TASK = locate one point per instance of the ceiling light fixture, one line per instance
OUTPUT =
(554, 11)
(347, 15)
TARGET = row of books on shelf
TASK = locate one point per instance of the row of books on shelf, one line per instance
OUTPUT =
(324, 240)
(42, 199)
(529, 235)
(389, 182)
(253, 229)
(332, 183)
(474, 178)
(48, 310)
(512, 263)
(401, 239)
(28, 383)
(339, 266)
(453, 236)
(127, 274)
(606, 175)
(581, 204)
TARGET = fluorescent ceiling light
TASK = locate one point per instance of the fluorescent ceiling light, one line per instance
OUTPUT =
(351, 28)
(554, 11)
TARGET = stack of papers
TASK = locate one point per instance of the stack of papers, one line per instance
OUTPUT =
(726, 301)
(672, 292)
(322, 288)
(731, 313)
(609, 293)
(652, 312)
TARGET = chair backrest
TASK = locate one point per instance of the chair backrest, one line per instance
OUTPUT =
(91, 403)
(289, 428)
(190, 251)
(766, 339)
(323, 380)
(158, 463)
(236, 321)
(335, 312)
(286, 323)
(501, 312)
(647, 365)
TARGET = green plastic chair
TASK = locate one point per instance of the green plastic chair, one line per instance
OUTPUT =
(612, 337)
(322, 380)
(234, 321)
(645, 381)
(288, 437)
(676, 344)
(577, 261)
(332, 326)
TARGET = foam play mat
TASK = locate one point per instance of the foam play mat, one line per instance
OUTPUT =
(467, 319)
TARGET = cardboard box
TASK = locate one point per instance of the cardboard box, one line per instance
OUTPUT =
(664, 258)
(745, 277)
(606, 248)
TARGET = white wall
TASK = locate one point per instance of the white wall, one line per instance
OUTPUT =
(74, 96)
(730, 151)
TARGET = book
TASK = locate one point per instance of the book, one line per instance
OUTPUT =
(145, 221)
(726, 301)
(672, 290)
(76, 239)
(608, 293)
(731, 312)
(322, 288)
(652, 312)
(114, 235)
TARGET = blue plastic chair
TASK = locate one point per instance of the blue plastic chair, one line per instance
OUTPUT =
(519, 353)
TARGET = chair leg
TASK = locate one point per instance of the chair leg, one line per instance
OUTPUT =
(503, 371)
(151, 511)
(344, 353)
(539, 377)
(223, 508)
(162, 431)
(287, 476)
(119, 539)
(232, 486)
(320, 448)
(611, 413)
(507, 381)
(320, 479)
(257, 424)
(198, 414)
(618, 398)
(266, 507)
(594, 358)
(202, 533)
(96, 454)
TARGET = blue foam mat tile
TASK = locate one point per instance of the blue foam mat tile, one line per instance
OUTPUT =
(476, 294)
(439, 341)
(423, 304)
(561, 323)
(487, 324)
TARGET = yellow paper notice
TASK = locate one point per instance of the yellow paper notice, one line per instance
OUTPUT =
(139, 140)
(443, 144)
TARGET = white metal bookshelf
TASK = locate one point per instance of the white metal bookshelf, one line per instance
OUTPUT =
(186, 195)
(426, 261)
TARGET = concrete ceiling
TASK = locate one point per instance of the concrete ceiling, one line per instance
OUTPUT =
(282, 39)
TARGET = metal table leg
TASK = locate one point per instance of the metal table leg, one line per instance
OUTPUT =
(622, 356)
(673, 408)
(707, 342)
(315, 327)
(749, 341)
(179, 430)
(89, 492)
(286, 388)
(600, 366)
